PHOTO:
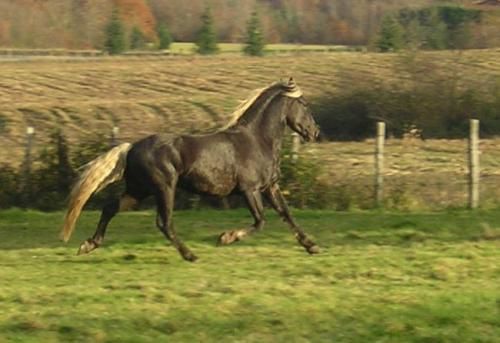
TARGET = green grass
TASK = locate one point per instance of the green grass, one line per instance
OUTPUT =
(189, 48)
(381, 277)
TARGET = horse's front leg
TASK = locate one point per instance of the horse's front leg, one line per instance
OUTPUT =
(165, 203)
(254, 201)
(278, 202)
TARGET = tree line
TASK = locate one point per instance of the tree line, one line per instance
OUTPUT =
(431, 28)
(206, 40)
(82, 23)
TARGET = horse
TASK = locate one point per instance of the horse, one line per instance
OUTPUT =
(241, 158)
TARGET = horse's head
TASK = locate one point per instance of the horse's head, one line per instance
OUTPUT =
(299, 117)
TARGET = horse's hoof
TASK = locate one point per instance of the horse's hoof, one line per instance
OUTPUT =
(190, 257)
(229, 237)
(224, 239)
(87, 246)
(314, 249)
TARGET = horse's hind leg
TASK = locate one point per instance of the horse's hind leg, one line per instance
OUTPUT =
(165, 203)
(278, 202)
(254, 200)
(124, 203)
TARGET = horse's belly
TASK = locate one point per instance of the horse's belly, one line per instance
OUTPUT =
(213, 181)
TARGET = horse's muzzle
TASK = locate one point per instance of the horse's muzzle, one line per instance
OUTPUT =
(313, 135)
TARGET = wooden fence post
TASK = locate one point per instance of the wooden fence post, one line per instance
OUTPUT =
(114, 136)
(295, 146)
(26, 184)
(474, 164)
(379, 164)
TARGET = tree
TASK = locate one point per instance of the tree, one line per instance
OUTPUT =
(115, 35)
(164, 36)
(391, 35)
(255, 39)
(137, 39)
(437, 32)
(414, 35)
(207, 40)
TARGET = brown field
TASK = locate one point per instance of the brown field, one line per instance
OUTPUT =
(418, 174)
(197, 94)
(186, 94)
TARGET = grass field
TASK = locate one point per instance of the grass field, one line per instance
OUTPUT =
(189, 48)
(381, 277)
(190, 93)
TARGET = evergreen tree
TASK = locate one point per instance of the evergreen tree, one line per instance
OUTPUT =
(164, 36)
(207, 40)
(137, 39)
(437, 32)
(391, 35)
(255, 39)
(414, 35)
(115, 35)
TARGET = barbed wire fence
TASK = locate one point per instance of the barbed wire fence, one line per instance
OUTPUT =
(375, 185)
(381, 179)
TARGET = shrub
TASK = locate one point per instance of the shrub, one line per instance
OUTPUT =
(300, 181)
(51, 179)
(9, 182)
(438, 107)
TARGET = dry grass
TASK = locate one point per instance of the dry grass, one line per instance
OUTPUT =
(185, 94)
(418, 174)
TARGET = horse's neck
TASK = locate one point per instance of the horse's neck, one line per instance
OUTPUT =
(270, 125)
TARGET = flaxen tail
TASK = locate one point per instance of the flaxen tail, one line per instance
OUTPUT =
(97, 174)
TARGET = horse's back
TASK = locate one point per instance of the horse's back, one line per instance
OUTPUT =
(210, 163)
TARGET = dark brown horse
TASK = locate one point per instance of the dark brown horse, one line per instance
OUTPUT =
(242, 158)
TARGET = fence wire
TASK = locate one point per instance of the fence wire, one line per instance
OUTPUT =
(417, 174)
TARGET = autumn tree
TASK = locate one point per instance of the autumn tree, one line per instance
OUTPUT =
(137, 13)
(254, 43)
(115, 35)
(207, 39)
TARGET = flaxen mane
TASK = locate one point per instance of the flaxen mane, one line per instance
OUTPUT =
(259, 99)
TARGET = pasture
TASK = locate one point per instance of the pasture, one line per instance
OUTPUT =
(381, 276)
(192, 93)
(187, 48)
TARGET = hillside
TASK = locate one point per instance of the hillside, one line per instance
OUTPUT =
(187, 94)
(193, 94)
